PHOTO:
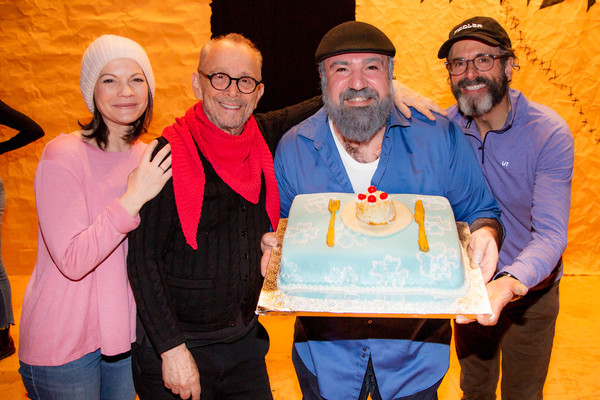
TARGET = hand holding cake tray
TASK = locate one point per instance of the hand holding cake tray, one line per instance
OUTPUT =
(376, 267)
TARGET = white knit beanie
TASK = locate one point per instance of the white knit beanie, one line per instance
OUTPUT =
(102, 51)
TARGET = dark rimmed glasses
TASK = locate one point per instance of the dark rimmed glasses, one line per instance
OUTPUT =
(221, 81)
(482, 63)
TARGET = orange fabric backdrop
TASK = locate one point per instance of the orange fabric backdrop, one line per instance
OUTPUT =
(40, 57)
(43, 41)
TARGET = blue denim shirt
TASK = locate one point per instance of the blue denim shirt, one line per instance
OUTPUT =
(417, 156)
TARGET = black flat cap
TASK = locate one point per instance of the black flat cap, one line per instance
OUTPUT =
(354, 37)
(484, 29)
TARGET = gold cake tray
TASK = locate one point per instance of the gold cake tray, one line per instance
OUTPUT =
(274, 301)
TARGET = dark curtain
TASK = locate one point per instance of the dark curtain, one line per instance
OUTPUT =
(287, 33)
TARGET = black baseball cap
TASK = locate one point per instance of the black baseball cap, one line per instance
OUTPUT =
(354, 37)
(484, 29)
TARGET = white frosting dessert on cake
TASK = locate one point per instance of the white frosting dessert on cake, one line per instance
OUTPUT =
(367, 265)
(375, 207)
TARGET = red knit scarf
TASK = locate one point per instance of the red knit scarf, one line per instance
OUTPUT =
(238, 160)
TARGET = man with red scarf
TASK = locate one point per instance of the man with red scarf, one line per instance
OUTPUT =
(194, 261)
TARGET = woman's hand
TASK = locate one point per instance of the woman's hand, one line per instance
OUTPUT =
(147, 179)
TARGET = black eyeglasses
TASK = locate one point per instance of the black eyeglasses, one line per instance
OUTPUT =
(482, 63)
(221, 81)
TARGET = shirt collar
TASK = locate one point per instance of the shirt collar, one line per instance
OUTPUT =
(513, 98)
(397, 119)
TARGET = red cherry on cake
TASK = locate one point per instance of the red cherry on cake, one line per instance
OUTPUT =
(372, 199)
(362, 196)
(372, 189)
(383, 196)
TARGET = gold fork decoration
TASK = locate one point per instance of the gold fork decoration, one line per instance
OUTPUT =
(334, 205)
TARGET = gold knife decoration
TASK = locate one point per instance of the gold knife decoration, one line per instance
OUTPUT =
(334, 205)
(420, 220)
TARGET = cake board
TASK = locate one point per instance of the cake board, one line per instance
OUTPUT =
(273, 301)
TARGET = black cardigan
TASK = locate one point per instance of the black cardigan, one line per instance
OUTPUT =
(207, 295)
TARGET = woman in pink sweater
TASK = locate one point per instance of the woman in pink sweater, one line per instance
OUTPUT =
(78, 318)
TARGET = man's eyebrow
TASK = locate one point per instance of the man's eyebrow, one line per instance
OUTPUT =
(373, 59)
(476, 55)
(339, 62)
(365, 61)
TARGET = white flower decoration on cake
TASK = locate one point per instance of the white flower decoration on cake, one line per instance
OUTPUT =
(341, 277)
(433, 203)
(389, 272)
(435, 225)
(346, 238)
(291, 271)
(439, 262)
(301, 233)
(319, 204)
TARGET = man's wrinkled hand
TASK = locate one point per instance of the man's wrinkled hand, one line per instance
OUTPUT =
(180, 373)
(483, 252)
(267, 243)
(500, 292)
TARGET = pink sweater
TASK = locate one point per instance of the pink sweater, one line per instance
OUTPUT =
(78, 299)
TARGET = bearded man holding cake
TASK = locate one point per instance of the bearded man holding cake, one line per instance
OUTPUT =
(360, 143)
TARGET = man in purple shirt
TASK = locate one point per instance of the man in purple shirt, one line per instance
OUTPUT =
(525, 151)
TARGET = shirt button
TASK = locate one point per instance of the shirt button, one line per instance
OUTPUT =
(244, 233)
(245, 277)
(231, 323)
(245, 256)
(243, 207)
(364, 349)
(370, 321)
(363, 356)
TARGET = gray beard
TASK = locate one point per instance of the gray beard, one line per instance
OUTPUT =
(358, 124)
(469, 107)
(475, 108)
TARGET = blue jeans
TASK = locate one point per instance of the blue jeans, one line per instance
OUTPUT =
(6, 309)
(92, 377)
